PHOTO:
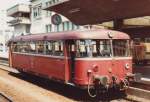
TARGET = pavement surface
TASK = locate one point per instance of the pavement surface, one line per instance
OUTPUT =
(4, 99)
(22, 88)
(22, 91)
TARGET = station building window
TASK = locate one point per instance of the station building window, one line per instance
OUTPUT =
(54, 1)
(68, 26)
(48, 3)
(1, 47)
(61, 27)
(49, 28)
(57, 28)
(75, 27)
(48, 13)
(37, 10)
(51, 2)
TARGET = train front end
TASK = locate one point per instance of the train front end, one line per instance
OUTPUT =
(103, 64)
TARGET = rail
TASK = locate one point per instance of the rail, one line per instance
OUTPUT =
(4, 98)
(137, 94)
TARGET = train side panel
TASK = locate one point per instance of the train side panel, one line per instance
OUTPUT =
(20, 62)
(40, 65)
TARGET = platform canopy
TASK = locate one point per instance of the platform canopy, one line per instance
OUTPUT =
(84, 12)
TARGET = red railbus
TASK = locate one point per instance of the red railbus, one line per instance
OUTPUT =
(91, 59)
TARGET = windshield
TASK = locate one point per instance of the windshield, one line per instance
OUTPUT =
(93, 48)
(121, 48)
(100, 48)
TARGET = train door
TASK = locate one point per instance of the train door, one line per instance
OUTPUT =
(10, 54)
(121, 57)
(71, 54)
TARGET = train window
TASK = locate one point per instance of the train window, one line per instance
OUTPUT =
(83, 48)
(137, 41)
(58, 48)
(101, 48)
(24, 47)
(121, 48)
(54, 48)
(1, 47)
(40, 47)
(147, 40)
(93, 48)
(32, 47)
(49, 47)
(14, 47)
(72, 48)
(17, 47)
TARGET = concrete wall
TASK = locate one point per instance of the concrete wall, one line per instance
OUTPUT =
(6, 33)
(20, 29)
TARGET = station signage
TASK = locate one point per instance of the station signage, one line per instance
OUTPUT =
(56, 19)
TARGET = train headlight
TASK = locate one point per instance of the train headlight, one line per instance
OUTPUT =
(95, 68)
(110, 70)
(89, 72)
(127, 66)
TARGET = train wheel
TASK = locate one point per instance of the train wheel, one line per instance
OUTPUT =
(23, 73)
(92, 92)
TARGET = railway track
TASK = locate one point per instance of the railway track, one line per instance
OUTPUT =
(4, 98)
(145, 86)
(76, 97)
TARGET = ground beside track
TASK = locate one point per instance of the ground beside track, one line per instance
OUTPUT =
(21, 91)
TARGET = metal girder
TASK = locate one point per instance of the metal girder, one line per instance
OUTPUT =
(84, 12)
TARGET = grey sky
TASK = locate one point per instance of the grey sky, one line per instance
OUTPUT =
(5, 4)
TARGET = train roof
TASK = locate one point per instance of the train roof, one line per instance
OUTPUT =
(82, 34)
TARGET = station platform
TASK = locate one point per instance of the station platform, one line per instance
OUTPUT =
(144, 71)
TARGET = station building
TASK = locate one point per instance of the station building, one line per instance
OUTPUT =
(41, 19)
(33, 19)
(6, 32)
(21, 19)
